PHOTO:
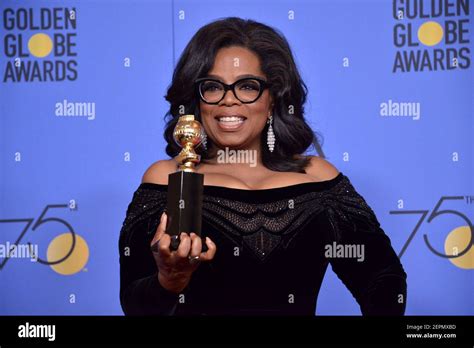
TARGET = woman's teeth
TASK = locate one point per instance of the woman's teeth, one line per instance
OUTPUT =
(231, 119)
(230, 123)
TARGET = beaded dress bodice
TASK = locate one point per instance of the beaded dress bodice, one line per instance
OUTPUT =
(271, 248)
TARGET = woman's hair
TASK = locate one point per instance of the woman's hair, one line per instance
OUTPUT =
(293, 135)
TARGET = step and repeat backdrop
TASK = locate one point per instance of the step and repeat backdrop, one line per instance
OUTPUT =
(81, 118)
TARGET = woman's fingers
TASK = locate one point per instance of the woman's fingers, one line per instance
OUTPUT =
(190, 244)
(196, 245)
(184, 246)
(160, 230)
(211, 250)
(164, 245)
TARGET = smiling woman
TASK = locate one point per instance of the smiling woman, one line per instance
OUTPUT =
(268, 225)
(248, 74)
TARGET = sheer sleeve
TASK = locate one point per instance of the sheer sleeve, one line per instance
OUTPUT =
(140, 291)
(361, 254)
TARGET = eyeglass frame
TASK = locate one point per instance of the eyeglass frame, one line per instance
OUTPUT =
(263, 85)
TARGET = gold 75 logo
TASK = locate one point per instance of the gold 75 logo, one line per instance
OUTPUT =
(460, 238)
(67, 253)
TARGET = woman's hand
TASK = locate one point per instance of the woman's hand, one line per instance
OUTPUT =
(176, 267)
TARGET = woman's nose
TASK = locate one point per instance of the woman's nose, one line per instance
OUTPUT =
(229, 98)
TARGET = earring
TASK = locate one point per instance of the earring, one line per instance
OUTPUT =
(270, 135)
(204, 139)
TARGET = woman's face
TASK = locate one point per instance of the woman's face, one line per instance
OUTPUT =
(231, 64)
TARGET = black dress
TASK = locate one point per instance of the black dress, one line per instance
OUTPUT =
(273, 248)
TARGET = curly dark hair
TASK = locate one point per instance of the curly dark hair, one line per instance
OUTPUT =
(293, 135)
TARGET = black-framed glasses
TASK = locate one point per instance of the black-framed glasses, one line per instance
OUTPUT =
(247, 90)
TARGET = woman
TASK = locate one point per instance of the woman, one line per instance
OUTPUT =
(271, 227)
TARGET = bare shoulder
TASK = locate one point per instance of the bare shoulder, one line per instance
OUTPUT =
(320, 169)
(158, 172)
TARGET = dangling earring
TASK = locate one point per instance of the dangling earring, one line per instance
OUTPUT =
(204, 140)
(270, 135)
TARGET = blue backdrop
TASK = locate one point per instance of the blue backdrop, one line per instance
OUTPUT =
(81, 105)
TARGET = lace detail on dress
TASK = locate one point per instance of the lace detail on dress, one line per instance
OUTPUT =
(346, 208)
(263, 227)
(145, 203)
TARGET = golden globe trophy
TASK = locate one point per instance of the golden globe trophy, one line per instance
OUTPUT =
(185, 187)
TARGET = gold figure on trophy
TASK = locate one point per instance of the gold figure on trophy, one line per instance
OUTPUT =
(188, 134)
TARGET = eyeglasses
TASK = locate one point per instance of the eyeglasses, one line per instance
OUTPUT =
(247, 90)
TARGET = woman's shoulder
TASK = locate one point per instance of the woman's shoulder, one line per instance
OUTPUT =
(157, 172)
(321, 169)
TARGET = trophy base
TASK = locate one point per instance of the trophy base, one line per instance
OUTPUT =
(184, 206)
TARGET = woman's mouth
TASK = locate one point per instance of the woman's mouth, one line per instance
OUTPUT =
(230, 123)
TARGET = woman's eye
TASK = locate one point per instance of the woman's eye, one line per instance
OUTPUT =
(211, 87)
(250, 86)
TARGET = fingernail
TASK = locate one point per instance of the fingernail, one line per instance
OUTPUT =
(155, 245)
(208, 240)
(162, 216)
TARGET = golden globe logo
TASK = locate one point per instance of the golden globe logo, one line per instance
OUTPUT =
(455, 242)
(76, 258)
(39, 44)
(431, 35)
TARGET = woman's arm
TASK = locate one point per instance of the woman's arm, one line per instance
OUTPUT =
(140, 291)
(369, 267)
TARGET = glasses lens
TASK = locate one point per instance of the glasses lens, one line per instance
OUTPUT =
(211, 91)
(248, 90)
